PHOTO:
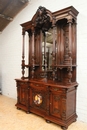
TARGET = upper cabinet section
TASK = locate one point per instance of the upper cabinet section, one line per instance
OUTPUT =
(52, 44)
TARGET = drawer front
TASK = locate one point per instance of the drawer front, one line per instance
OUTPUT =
(22, 84)
(57, 90)
(37, 86)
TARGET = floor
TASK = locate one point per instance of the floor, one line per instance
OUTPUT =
(13, 119)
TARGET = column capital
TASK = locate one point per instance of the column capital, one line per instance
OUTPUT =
(53, 22)
(69, 19)
(32, 28)
(23, 31)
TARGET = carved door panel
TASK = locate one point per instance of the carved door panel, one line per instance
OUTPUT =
(38, 97)
(23, 93)
(55, 104)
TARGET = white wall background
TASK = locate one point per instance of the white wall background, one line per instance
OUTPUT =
(11, 45)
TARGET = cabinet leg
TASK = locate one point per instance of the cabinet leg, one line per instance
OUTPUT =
(18, 108)
(74, 120)
(64, 128)
(28, 112)
(48, 121)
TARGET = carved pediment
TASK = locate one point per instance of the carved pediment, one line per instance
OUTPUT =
(42, 19)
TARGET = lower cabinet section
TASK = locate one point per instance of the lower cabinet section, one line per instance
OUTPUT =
(56, 103)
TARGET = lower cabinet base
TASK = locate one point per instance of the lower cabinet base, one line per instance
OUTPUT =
(22, 107)
(63, 123)
(55, 103)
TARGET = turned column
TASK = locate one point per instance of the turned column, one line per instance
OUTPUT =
(23, 53)
(69, 51)
(70, 40)
(40, 53)
(45, 56)
(54, 49)
(33, 55)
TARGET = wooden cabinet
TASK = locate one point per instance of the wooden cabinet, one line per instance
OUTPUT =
(49, 88)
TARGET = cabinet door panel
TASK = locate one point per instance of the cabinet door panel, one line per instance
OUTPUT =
(55, 105)
(22, 92)
(23, 98)
(38, 97)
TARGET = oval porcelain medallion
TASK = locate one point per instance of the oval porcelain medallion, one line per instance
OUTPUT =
(37, 99)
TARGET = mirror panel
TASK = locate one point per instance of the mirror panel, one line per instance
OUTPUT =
(47, 45)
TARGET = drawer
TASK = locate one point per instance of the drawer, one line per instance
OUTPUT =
(37, 86)
(57, 89)
(22, 84)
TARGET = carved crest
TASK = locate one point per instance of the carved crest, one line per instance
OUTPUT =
(43, 20)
